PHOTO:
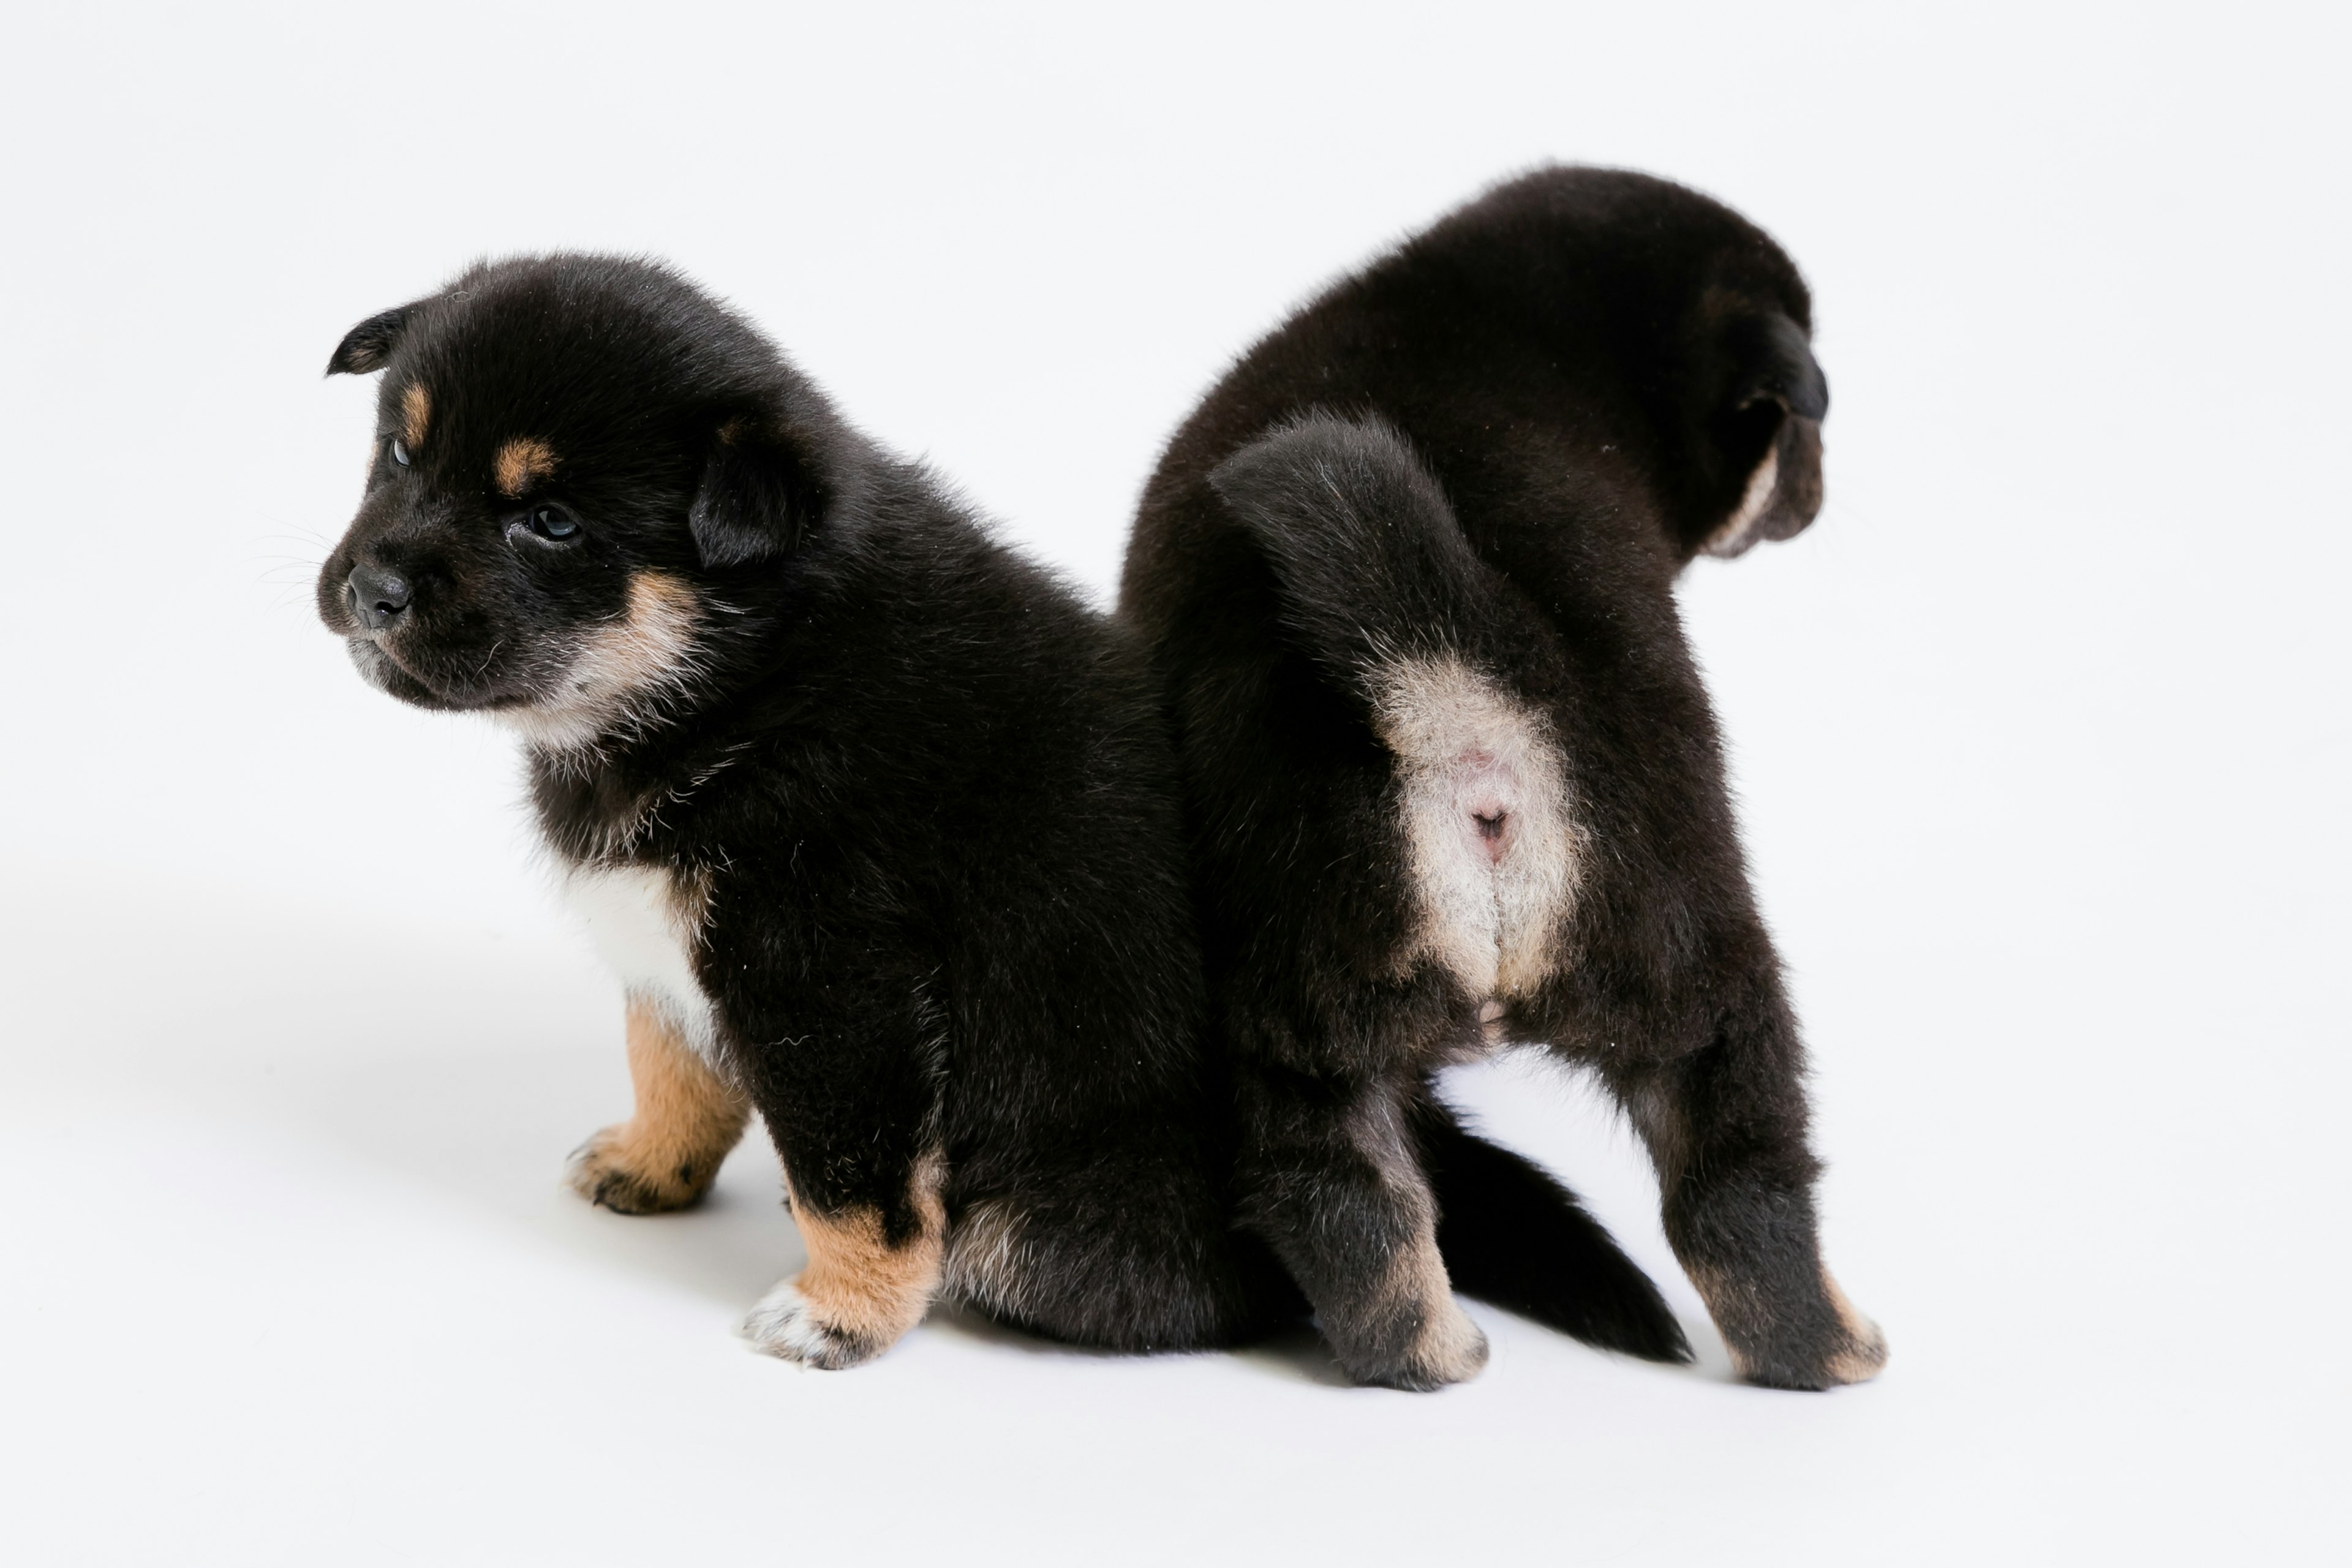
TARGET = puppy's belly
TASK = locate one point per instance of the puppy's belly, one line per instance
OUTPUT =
(644, 926)
(1490, 839)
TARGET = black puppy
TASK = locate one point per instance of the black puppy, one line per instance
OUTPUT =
(876, 822)
(1409, 577)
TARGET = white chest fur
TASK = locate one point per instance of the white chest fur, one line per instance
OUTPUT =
(644, 926)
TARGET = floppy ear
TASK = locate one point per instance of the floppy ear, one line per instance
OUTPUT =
(1777, 399)
(759, 496)
(366, 346)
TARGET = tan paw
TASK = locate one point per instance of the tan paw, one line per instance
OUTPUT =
(1438, 1345)
(788, 1325)
(1806, 1353)
(621, 1170)
(1865, 1353)
(1450, 1348)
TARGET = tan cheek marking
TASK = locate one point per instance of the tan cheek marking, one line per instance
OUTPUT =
(657, 634)
(521, 463)
(859, 1285)
(1763, 485)
(415, 414)
(687, 1118)
(625, 663)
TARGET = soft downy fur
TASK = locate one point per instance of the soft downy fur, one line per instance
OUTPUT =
(877, 822)
(1408, 578)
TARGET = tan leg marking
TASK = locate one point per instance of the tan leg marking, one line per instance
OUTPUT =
(521, 463)
(415, 414)
(1856, 1357)
(1413, 1302)
(1447, 1347)
(1866, 1351)
(669, 1154)
(858, 1294)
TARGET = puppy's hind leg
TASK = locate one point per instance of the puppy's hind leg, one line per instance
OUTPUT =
(1726, 1128)
(871, 1275)
(687, 1118)
(1336, 1186)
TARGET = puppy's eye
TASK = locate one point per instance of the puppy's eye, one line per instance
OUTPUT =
(400, 451)
(552, 522)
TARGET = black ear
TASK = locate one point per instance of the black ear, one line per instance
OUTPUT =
(366, 346)
(761, 495)
(1776, 364)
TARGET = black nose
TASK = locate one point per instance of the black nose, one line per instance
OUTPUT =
(377, 597)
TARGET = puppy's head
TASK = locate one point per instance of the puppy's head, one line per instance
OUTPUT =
(1677, 311)
(577, 460)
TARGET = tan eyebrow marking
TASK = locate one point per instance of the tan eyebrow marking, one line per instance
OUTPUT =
(415, 414)
(522, 463)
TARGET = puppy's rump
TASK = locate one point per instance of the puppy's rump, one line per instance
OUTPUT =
(1394, 605)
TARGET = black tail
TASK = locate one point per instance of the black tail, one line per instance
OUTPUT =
(1373, 567)
(1512, 1236)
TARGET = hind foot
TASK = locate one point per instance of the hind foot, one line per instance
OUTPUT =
(1447, 1348)
(1816, 1351)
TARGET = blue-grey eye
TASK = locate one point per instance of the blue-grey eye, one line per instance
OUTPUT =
(400, 451)
(552, 522)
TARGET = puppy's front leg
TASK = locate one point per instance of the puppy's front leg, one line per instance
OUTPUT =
(687, 1118)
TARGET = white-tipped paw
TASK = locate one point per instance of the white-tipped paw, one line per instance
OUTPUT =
(788, 1325)
(1451, 1349)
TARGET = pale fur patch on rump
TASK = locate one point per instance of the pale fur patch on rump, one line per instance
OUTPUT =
(1493, 843)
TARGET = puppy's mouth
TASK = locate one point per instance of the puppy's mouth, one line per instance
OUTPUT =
(387, 672)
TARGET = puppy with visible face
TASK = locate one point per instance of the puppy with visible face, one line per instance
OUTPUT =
(877, 822)
(872, 818)
(1408, 573)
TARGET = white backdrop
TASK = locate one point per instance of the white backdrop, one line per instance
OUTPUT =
(2041, 735)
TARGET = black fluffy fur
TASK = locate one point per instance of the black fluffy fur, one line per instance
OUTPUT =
(925, 795)
(1494, 450)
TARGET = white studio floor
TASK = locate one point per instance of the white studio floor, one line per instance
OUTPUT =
(2040, 734)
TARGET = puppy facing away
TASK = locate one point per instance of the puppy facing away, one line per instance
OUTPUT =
(877, 824)
(1408, 576)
